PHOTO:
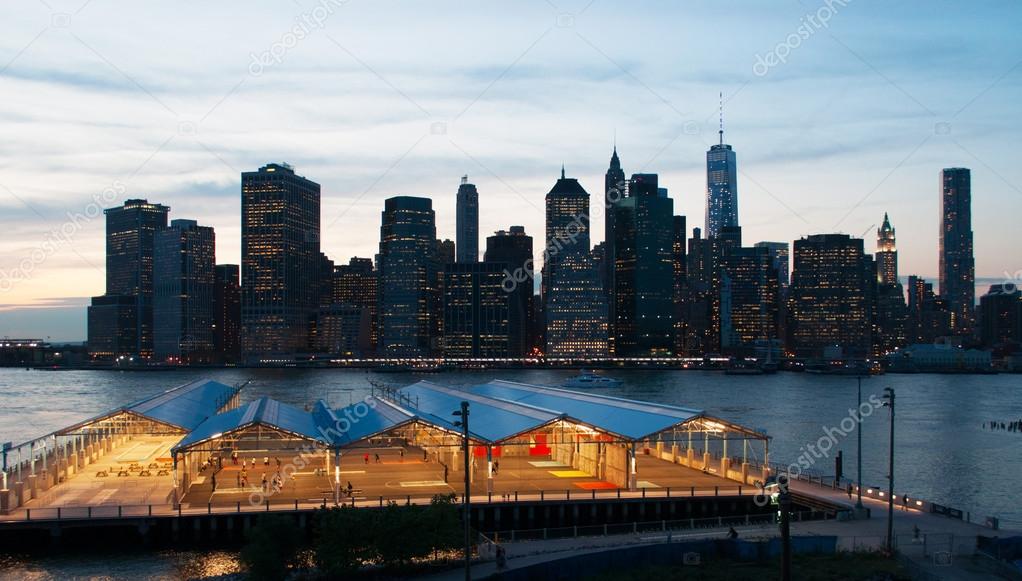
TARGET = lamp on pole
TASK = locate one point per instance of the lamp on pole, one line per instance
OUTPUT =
(858, 451)
(889, 397)
(463, 422)
(781, 496)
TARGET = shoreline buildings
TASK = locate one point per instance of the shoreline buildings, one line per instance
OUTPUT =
(648, 290)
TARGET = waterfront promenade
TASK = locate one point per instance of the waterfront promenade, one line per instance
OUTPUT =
(932, 544)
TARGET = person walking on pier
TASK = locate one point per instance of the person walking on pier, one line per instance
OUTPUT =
(849, 491)
(212, 480)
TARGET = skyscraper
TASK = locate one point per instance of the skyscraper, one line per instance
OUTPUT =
(1001, 315)
(749, 301)
(467, 238)
(280, 260)
(643, 323)
(957, 266)
(574, 305)
(779, 252)
(356, 283)
(476, 310)
(680, 267)
(513, 249)
(614, 189)
(130, 238)
(887, 253)
(702, 294)
(445, 252)
(408, 295)
(567, 226)
(576, 311)
(227, 313)
(891, 313)
(184, 270)
(721, 187)
(829, 296)
(929, 317)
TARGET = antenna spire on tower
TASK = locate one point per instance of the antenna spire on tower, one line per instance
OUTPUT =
(721, 130)
(562, 171)
(464, 179)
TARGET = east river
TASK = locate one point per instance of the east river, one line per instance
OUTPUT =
(944, 447)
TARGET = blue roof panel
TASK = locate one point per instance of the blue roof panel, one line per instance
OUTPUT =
(365, 419)
(490, 420)
(186, 406)
(263, 411)
(624, 417)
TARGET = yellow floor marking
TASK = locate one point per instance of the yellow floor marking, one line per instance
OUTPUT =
(569, 473)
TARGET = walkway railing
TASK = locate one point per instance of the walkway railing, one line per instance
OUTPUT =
(647, 527)
(273, 505)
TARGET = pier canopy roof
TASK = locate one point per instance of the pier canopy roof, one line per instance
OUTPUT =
(491, 420)
(363, 420)
(629, 419)
(181, 408)
(265, 412)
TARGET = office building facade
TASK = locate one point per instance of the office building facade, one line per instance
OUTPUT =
(280, 261)
(408, 304)
(184, 271)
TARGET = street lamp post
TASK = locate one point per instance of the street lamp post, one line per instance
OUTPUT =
(889, 396)
(463, 422)
(858, 451)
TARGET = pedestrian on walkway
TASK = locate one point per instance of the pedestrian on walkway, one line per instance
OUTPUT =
(377, 457)
(365, 458)
(212, 479)
(849, 491)
(402, 454)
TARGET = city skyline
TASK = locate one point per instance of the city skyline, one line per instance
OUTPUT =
(829, 159)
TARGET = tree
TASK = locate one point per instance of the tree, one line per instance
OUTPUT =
(342, 542)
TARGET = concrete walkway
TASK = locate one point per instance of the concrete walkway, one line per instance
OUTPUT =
(936, 534)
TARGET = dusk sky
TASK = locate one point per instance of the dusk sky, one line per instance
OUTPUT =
(838, 111)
